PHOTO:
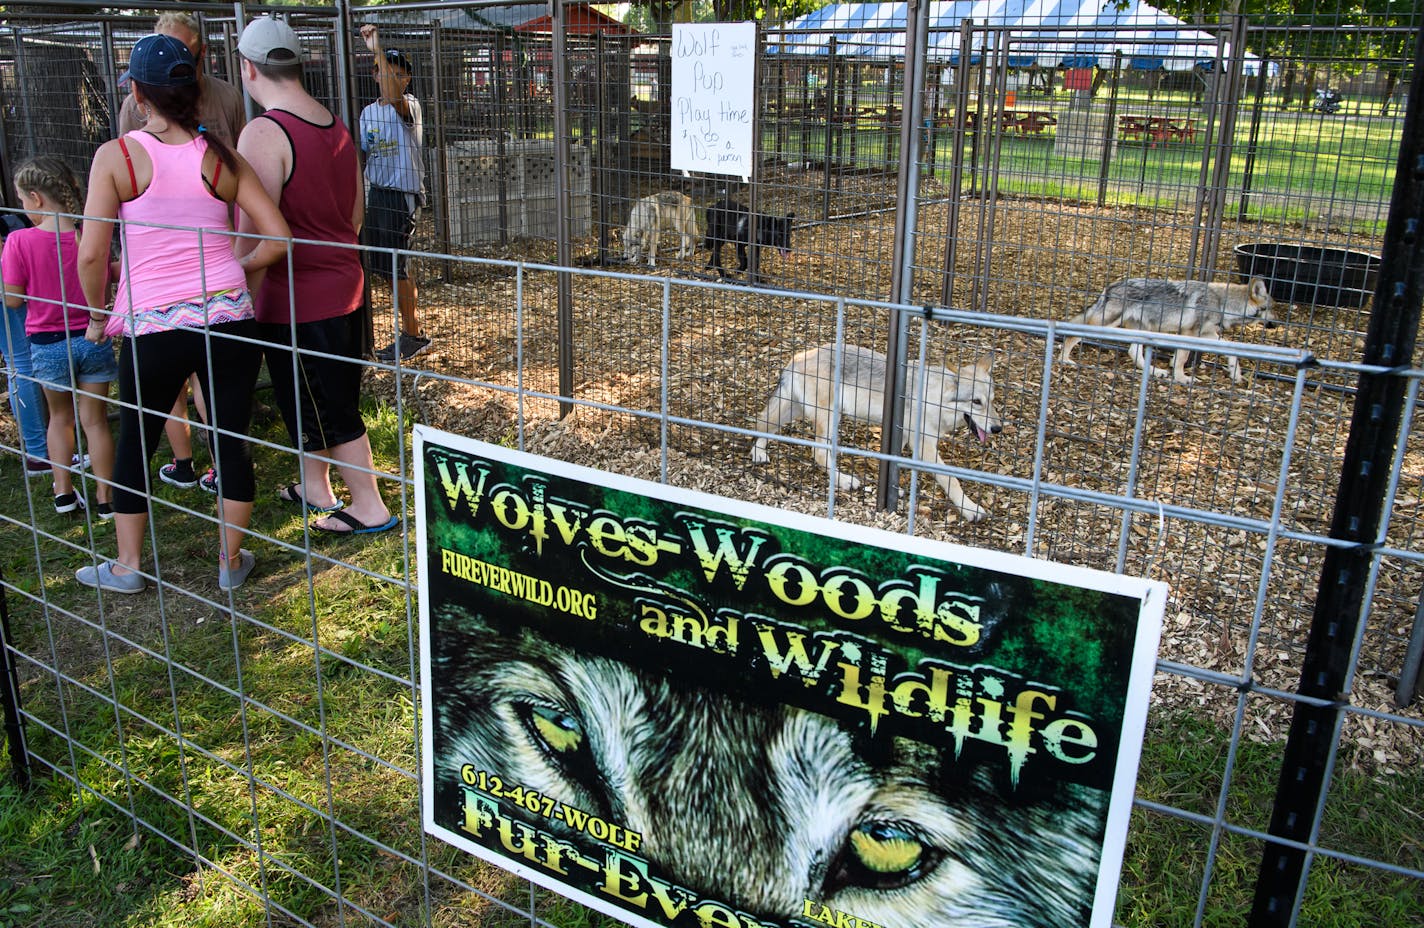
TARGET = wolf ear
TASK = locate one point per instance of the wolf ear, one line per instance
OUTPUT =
(1260, 293)
(983, 364)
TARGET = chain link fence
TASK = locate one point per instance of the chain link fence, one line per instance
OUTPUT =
(267, 742)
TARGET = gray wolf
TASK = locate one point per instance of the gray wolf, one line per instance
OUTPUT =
(761, 806)
(650, 216)
(730, 221)
(1177, 307)
(808, 390)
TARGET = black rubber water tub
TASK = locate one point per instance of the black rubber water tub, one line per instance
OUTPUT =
(1307, 274)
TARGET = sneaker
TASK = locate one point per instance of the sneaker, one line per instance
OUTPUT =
(80, 461)
(410, 346)
(230, 577)
(103, 577)
(104, 511)
(209, 482)
(37, 467)
(68, 503)
(179, 474)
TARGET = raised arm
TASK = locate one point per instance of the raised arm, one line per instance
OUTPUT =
(389, 79)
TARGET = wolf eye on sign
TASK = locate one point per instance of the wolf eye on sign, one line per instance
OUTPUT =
(683, 710)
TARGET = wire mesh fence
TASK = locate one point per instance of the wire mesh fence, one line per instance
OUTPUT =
(268, 741)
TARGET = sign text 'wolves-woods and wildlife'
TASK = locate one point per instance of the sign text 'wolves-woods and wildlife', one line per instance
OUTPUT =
(683, 710)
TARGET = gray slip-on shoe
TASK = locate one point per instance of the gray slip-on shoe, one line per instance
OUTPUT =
(230, 577)
(104, 578)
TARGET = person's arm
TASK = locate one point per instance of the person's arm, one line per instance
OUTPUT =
(388, 79)
(258, 208)
(358, 210)
(269, 152)
(100, 208)
(14, 280)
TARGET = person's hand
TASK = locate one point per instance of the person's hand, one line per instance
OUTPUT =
(94, 332)
(371, 37)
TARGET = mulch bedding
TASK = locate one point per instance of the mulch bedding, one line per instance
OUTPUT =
(1213, 446)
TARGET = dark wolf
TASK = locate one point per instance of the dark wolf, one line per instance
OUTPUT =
(1177, 307)
(731, 222)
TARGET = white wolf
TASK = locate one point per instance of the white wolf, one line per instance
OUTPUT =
(650, 216)
(808, 390)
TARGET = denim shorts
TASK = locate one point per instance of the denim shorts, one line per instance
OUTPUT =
(92, 363)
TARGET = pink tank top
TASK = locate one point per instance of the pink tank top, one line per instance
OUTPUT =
(168, 276)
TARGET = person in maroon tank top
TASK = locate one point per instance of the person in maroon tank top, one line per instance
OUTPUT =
(308, 316)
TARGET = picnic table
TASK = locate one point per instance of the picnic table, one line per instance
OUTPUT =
(1030, 122)
(1157, 128)
(1024, 122)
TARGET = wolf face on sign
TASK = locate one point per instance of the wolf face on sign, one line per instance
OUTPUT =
(769, 808)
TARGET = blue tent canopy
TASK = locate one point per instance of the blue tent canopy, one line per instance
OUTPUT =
(1047, 33)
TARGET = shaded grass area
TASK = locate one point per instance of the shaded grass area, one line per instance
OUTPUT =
(1300, 166)
(273, 755)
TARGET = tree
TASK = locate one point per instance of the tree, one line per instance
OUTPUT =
(1352, 36)
(657, 15)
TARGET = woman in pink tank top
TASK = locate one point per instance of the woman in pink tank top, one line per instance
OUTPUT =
(182, 300)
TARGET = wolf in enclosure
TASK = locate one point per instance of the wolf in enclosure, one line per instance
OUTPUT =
(816, 383)
(650, 216)
(1177, 307)
(730, 221)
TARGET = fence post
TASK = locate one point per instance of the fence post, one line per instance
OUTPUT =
(902, 254)
(1326, 669)
(10, 696)
(561, 208)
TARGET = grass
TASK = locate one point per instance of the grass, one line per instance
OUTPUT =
(324, 728)
(1303, 165)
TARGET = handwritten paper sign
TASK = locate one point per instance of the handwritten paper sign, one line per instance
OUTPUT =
(713, 97)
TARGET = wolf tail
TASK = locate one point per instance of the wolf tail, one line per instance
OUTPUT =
(1103, 311)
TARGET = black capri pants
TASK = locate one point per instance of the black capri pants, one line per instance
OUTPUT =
(154, 367)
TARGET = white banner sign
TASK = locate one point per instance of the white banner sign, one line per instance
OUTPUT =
(713, 97)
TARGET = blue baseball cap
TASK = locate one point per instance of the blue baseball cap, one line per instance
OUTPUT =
(160, 60)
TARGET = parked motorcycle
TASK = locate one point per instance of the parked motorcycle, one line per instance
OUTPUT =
(1327, 101)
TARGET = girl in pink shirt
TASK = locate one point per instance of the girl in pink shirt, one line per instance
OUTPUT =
(40, 267)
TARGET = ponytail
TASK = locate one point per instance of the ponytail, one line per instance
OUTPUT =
(180, 106)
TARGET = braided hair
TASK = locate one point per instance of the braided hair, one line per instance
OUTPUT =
(51, 176)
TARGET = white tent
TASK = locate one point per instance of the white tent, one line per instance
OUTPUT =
(1047, 33)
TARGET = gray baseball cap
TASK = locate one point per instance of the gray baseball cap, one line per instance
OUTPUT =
(270, 41)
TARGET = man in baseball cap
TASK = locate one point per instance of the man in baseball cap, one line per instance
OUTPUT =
(308, 164)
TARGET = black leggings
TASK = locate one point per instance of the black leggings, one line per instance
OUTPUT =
(162, 362)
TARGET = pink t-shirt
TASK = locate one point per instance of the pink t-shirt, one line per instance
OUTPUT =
(49, 278)
(164, 268)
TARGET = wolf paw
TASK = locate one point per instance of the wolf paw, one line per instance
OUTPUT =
(759, 455)
(971, 511)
